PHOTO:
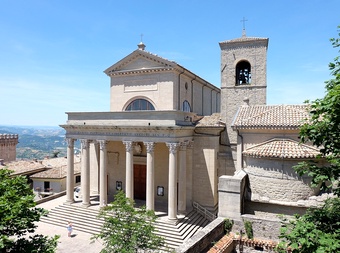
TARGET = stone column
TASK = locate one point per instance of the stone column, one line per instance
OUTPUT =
(172, 195)
(150, 176)
(85, 172)
(129, 169)
(189, 174)
(70, 171)
(182, 178)
(103, 173)
(94, 153)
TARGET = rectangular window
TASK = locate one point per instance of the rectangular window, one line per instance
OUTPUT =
(46, 186)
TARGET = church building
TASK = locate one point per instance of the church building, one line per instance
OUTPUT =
(172, 138)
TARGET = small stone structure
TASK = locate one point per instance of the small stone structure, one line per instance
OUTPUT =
(8, 145)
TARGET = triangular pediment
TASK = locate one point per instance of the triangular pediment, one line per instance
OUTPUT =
(140, 60)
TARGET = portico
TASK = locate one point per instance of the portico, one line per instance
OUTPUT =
(123, 144)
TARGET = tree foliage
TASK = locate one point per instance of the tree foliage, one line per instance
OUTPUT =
(316, 231)
(319, 229)
(127, 229)
(323, 130)
(18, 215)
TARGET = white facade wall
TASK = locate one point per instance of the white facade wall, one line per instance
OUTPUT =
(57, 185)
(156, 88)
(166, 91)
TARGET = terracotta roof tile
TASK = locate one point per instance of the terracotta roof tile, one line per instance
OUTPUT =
(212, 120)
(57, 172)
(48, 168)
(282, 148)
(271, 116)
(24, 167)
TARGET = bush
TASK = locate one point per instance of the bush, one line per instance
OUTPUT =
(228, 225)
(249, 229)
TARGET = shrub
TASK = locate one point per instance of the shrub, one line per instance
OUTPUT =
(228, 225)
(249, 229)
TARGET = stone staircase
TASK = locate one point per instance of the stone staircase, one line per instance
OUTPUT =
(86, 220)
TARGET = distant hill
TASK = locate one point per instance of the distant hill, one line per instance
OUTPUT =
(39, 142)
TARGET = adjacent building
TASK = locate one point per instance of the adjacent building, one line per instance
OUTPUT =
(8, 145)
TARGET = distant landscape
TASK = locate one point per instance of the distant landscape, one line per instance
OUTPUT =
(39, 142)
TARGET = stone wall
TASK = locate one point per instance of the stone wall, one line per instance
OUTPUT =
(253, 51)
(8, 145)
(205, 170)
(202, 241)
(275, 179)
(231, 195)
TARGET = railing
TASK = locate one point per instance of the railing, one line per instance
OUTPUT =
(203, 211)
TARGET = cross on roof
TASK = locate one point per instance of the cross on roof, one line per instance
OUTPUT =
(244, 22)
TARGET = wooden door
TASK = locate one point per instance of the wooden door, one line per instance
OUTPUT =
(139, 179)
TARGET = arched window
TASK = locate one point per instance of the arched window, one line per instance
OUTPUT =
(186, 106)
(140, 105)
(243, 73)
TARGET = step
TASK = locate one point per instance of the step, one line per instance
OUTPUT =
(86, 220)
(77, 227)
(75, 218)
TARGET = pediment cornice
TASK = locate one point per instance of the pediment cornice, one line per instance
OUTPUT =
(153, 63)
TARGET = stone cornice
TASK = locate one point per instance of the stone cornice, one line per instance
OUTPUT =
(139, 71)
(133, 133)
(110, 128)
(209, 130)
(119, 66)
(243, 42)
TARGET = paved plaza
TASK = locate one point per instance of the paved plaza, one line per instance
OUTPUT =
(79, 242)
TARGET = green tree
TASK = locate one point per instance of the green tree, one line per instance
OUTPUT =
(18, 215)
(127, 229)
(319, 229)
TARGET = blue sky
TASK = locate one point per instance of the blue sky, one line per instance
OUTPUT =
(53, 53)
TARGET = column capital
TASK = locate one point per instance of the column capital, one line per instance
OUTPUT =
(150, 147)
(173, 147)
(128, 145)
(183, 145)
(102, 144)
(70, 142)
(84, 143)
(190, 144)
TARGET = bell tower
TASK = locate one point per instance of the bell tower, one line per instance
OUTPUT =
(243, 78)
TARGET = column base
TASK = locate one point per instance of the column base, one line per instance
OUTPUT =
(85, 204)
(103, 204)
(172, 220)
(69, 202)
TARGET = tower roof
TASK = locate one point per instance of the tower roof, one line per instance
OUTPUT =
(243, 40)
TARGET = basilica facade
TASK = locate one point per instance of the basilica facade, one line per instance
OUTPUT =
(172, 138)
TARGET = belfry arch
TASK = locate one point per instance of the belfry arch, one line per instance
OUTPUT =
(243, 73)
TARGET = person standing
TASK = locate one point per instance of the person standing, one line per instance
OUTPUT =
(69, 229)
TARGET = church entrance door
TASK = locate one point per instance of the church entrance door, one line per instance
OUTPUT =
(139, 179)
